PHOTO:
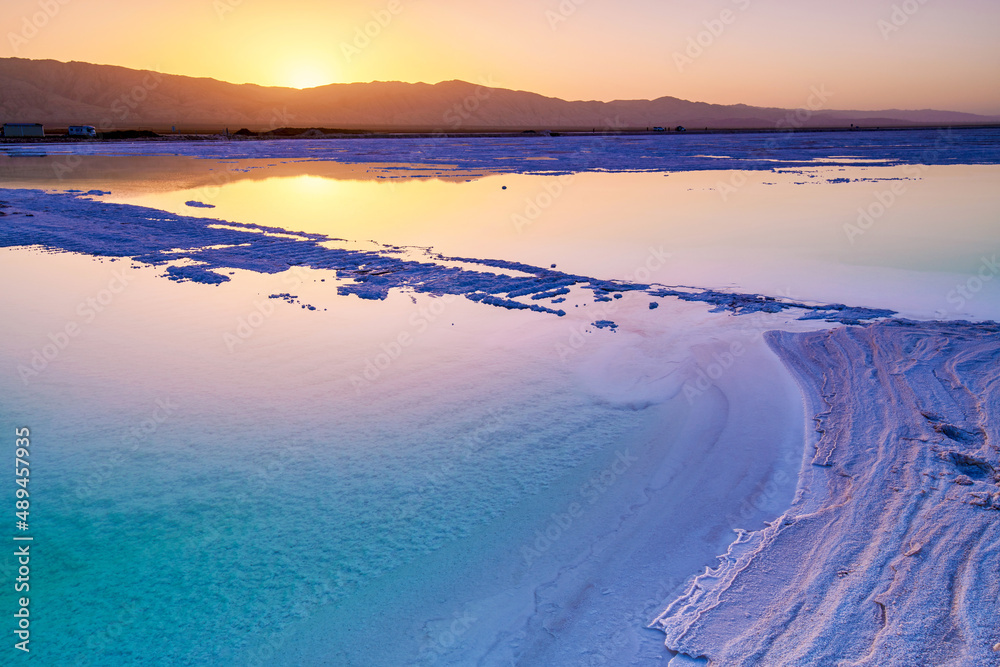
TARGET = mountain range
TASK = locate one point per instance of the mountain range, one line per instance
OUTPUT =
(110, 98)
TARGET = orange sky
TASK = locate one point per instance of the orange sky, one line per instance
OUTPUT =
(871, 54)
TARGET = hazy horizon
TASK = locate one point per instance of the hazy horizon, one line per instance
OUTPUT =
(491, 84)
(872, 56)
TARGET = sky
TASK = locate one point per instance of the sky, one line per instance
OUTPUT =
(868, 54)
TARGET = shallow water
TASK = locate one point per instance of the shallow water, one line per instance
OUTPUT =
(908, 237)
(212, 501)
(221, 477)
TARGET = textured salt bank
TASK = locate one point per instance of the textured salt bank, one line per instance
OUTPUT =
(888, 554)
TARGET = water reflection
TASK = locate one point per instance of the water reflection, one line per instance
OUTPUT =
(897, 237)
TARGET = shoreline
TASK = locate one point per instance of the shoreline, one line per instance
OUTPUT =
(586, 597)
(884, 556)
(158, 134)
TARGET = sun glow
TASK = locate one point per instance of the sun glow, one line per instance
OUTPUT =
(309, 76)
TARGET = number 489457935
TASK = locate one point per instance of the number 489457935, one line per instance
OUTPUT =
(22, 470)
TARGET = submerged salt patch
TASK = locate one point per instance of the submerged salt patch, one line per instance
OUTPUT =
(215, 247)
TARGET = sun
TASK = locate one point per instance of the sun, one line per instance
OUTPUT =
(309, 76)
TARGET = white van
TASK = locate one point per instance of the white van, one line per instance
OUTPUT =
(83, 131)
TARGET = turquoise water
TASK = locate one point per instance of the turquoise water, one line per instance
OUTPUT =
(195, 506)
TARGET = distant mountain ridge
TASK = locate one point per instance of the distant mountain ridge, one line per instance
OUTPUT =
(111, 97)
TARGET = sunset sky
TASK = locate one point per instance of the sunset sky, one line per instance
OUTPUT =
(871, 54)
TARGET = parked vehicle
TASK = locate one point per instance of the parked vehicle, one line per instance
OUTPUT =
(23, 130)
(82, 131)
